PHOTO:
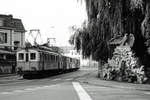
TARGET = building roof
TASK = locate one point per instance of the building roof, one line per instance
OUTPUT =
(18, 25)
(12, 23)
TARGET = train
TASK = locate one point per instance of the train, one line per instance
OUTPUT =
(43, 60)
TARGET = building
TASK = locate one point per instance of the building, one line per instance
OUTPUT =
(70, 52)
(12, 32)
(12, 36)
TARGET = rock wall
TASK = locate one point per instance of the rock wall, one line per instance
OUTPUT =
(124, 66)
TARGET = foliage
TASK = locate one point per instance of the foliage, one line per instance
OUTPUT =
(28, 44)
(110, 18)
(124, 66)
(136, 4)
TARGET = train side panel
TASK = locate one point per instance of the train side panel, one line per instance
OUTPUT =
(49, 61)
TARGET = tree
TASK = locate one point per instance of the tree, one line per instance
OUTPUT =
(109, 18)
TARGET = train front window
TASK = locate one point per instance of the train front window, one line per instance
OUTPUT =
(32, 56)
(21, 56)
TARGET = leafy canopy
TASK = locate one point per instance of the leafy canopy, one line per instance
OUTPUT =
(106, 20)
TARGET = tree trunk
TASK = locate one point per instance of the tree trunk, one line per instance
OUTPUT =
(146, 34)
(100, 69)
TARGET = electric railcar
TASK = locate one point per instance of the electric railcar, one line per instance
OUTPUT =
(34, 61)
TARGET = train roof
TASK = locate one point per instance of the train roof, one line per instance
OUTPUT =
(70, 57)
(40, 49)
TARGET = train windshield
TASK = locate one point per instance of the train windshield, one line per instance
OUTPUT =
(32, 56)
(21, 56)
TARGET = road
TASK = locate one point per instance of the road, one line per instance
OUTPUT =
(79, 85)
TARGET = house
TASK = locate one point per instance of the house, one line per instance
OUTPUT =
(12, 36)
(12, 32)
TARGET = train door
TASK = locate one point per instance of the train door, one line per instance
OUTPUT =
(27, 63)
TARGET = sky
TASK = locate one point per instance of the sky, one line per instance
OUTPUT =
(52, 17)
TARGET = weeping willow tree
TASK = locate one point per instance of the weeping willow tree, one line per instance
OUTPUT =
(109, 18)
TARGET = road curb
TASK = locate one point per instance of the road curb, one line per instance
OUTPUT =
(94, 80)
(121, 87)
(7, 75)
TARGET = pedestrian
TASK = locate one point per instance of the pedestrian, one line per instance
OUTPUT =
(19, 71)
(13, 68)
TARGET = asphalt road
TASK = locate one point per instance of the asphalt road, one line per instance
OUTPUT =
(79, 85)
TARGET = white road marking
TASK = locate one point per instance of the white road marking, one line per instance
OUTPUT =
(83, 95)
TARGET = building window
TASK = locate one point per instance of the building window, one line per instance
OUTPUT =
(21, 56)
(32, 56)
(3, 37)
(16, 44)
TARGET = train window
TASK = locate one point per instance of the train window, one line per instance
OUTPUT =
(32, 56)
(40, 56)
(56, 58)
(21, 56)
(49, 57)
(52, 57)
(46, 57)
(70, 60)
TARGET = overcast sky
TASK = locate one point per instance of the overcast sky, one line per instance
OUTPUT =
(52, 17)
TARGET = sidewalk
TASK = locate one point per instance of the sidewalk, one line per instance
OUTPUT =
(94, 80)
(7, 75)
